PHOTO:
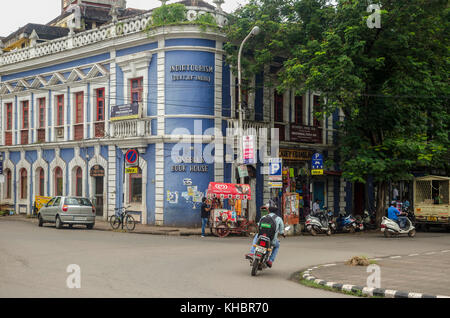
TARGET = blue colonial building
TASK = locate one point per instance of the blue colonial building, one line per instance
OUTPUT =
(73, 104)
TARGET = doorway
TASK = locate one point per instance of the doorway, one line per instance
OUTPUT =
(359, 198)
(98, 173)
(319, 193)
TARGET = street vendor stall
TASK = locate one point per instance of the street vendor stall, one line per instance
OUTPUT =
(225, 221)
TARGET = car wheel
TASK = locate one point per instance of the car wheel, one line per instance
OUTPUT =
(59, 224)
(41, 221)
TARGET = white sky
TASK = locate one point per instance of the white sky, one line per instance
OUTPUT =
(15, 14)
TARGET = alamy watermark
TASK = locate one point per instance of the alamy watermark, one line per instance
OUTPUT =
(374, 20)
(74, 279)
(374, 279)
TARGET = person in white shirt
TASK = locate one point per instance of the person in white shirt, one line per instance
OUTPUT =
(316, 207)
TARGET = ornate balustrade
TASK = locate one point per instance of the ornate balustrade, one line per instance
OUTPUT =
(131, 128)
(113, 30)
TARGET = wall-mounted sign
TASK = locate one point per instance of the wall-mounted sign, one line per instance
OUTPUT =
(243, 171)
(317, 161)
(275, 184)
(191, 68)
(248, 146)
(294, 154)
(127, 111)
(97, 171)
(307, 134)
(193, 168)
(132, 170)
(317, 172)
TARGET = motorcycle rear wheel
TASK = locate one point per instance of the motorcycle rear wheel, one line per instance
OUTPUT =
(329, 233)
(255, 267)
(387, 233)
(412, 233)
(313, 232)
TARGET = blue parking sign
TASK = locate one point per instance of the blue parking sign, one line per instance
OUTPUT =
(317, 161)
(275, 169)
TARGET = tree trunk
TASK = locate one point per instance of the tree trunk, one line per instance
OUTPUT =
(381, 195)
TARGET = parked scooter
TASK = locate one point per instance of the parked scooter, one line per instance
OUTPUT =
(368, 221)
(263, 250)
(391, 228)
(315, 224)
(346, 223)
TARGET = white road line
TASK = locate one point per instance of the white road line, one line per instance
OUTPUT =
(327, 265)
(430, 253)
(395, 257)
(413, 254)
(376, 259)
(445, 251)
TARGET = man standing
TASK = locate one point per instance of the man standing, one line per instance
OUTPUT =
(205, 210)
(316, 207)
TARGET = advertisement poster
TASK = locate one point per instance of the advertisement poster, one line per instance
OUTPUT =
(249, 149)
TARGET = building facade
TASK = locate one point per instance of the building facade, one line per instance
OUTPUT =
(72, 107)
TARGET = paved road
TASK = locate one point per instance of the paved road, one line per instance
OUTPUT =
(34, 262)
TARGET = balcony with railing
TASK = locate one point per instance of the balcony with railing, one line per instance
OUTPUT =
(131, 128)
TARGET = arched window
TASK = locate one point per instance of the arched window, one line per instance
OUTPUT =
(79, 182)
(136, 187)
(58, 181)
(41, 181)
(23, 183)
(8, 183)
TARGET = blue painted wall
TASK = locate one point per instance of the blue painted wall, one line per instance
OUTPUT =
(149, 156)
(56, 67)
(226, 90)
(120, 97)
(189, 96)
(137, 49)
(152, 98)
(194, 126)
(190, 42)
(183, 213)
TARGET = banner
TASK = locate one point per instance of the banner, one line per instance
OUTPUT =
(229, 191)
(40, 201)
(248, 145)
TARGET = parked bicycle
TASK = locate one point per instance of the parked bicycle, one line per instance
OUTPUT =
(122, 218)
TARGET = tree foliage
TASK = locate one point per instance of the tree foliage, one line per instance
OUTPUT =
(391, 83)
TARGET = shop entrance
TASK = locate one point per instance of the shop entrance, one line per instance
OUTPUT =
(98, 173)
(319, 192)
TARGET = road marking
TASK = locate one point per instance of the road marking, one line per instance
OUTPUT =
(395, 257)
(445, 251)
(413, 254)
(327, 265)
(430, 253)
(376, 259)
(440, 296)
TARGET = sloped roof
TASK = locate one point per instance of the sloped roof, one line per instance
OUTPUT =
(44, 32)
(197, 3)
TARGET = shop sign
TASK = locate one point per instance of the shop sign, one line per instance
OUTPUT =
(248, 145)
(127, 111)
(308, 134)
(132, 170)
(295, 154)
(243, 171)
(317, 172)
(275, 184)
(97, 171)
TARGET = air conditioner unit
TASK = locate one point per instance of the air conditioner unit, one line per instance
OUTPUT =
(60, 132)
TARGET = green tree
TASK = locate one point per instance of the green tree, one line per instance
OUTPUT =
(390, 82)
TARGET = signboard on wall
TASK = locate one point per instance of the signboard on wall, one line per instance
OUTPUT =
(307, 134)
(126, 111)
(295, 154)
(275, 169)
(248, 145)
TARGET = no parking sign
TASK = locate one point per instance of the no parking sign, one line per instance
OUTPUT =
(132, 158)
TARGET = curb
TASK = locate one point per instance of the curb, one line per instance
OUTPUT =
(173, 232)
(365, 290)
(368, 291)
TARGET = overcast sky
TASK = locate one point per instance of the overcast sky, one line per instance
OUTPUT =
(15, 14)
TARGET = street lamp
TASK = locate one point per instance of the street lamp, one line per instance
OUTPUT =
(255, 31)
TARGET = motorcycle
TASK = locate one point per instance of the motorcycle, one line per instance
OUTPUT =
(368, 221)
(391, 228)
(315, 225)
(263, 250)
(347, 223)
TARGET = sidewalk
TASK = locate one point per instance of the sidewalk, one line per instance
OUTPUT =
(408, 276)
(101, 225)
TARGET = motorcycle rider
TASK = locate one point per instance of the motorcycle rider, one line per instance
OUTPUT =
(397, 216)
(274, 214)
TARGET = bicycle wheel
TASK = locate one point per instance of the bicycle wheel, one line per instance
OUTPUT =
(129, 223)
(115, 222)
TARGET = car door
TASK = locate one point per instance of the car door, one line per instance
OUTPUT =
(55, 208)
(45, 210)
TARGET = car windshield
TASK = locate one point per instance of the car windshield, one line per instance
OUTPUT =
(78, 201)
